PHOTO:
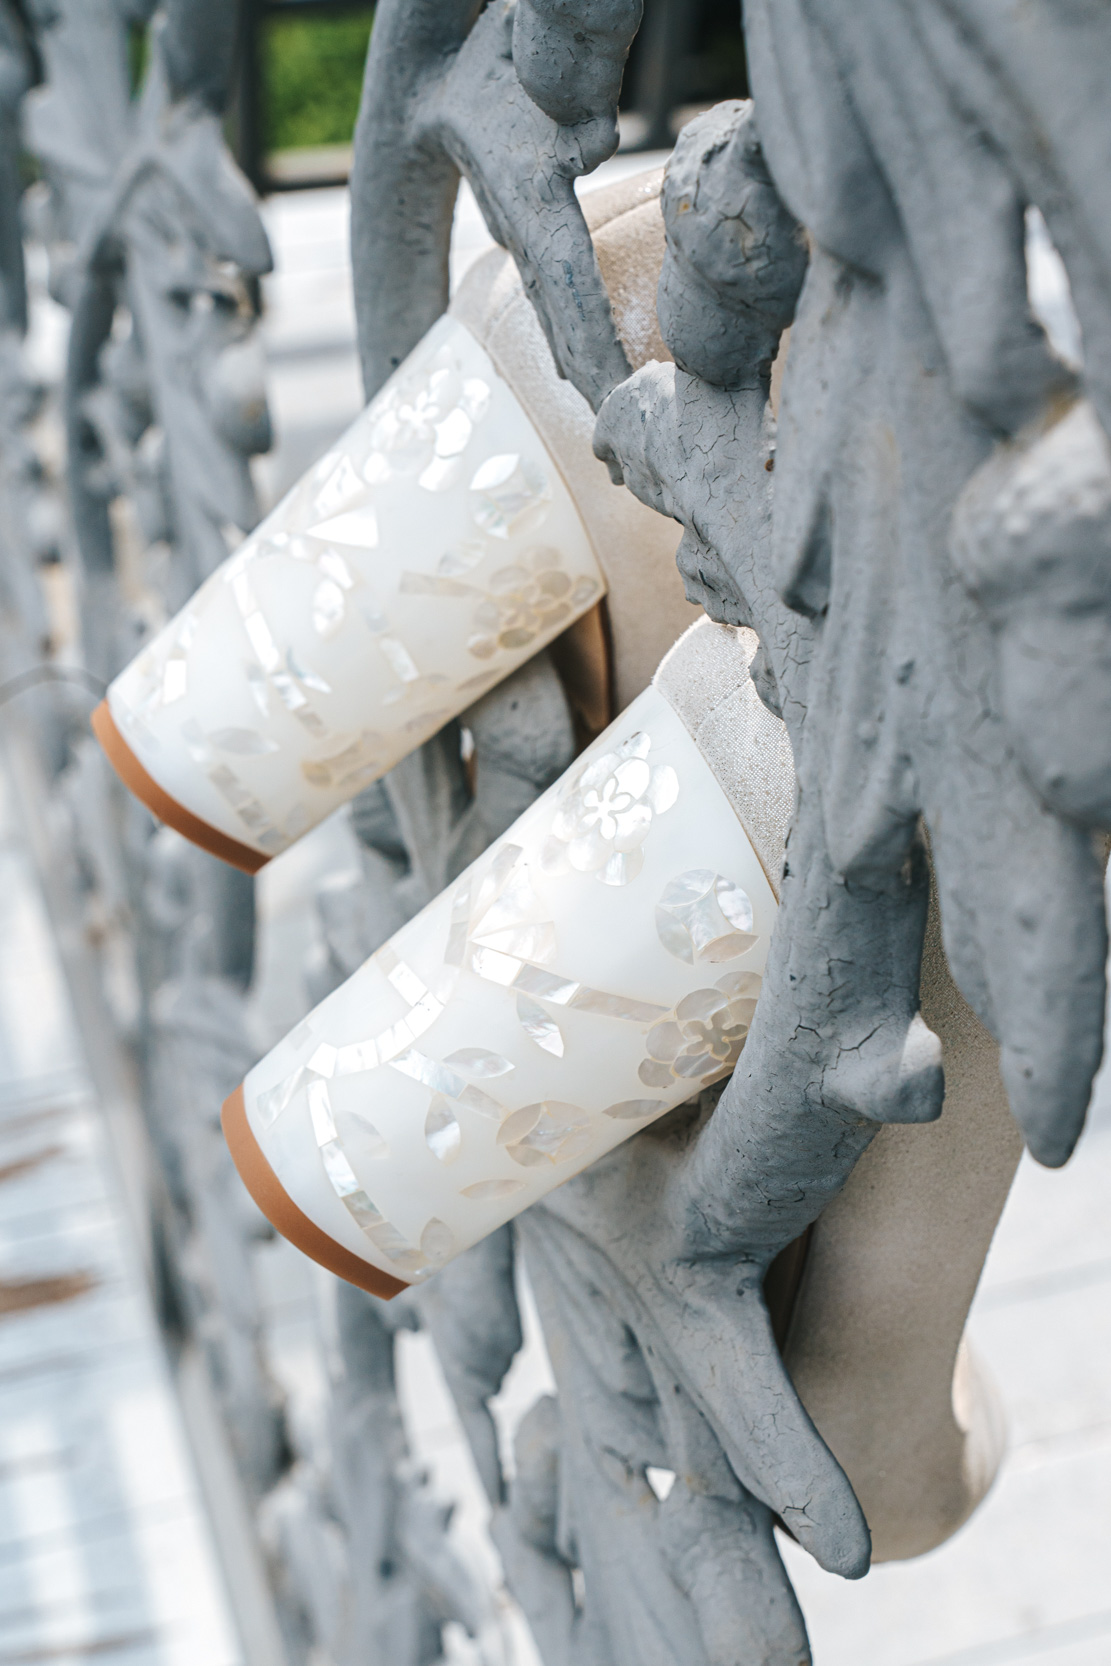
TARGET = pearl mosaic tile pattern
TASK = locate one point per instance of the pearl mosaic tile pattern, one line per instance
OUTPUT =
(592, 970)
(427, 555)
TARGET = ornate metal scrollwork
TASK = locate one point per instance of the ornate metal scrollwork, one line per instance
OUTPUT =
(154, 243)
(150, 226)
(918, 539)
(920, 564)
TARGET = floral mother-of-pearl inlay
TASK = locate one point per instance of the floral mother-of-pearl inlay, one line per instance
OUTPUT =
(427, 556)
(606, 812)
(529, 1019)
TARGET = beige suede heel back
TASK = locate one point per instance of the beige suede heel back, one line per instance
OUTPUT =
(874, 1341)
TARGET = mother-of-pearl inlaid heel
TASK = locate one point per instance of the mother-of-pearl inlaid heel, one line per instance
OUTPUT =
(591, 971)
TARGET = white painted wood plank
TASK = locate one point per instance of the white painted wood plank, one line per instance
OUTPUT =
(104, 1547)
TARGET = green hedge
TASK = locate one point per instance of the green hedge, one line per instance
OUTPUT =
(312, 75)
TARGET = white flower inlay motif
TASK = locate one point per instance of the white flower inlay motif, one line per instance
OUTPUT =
(701, 915)
(549, 1132)
(606, 813)
(703, 1037)
(511, 495)
(442, 1133)
(423, 420)
(484, 1191)
(524, 600)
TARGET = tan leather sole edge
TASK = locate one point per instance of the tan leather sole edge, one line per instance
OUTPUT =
(583, 659)
(284, 1215)
(160, 804)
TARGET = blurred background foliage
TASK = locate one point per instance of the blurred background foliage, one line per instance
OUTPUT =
(301, 70)
(307, 59)
(312, 76)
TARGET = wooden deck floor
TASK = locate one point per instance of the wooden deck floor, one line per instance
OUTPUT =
(105, 1552)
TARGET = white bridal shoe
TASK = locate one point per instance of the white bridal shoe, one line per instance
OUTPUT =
(595, 968)
(591, 971)
(459, 526)
(872, 1311)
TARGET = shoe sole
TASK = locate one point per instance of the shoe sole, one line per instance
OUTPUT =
(160, 804)
(283, 1214)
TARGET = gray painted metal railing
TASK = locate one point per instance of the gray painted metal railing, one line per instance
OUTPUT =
(924, 564)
